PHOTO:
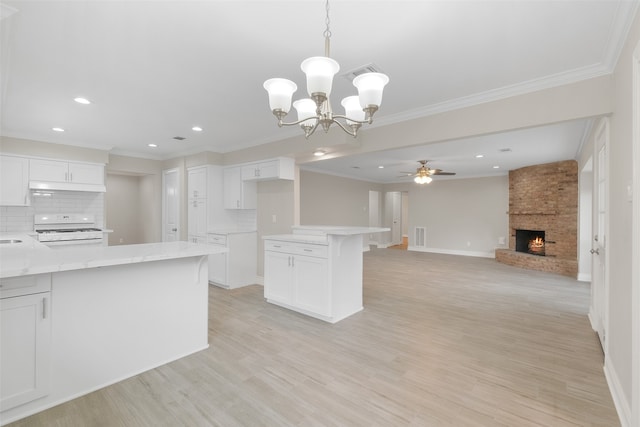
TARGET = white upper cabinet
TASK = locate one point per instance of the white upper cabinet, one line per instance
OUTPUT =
(86, 173)
(238, 194)
(14, 181)
(280, 168)
(41, 170)
(197, 183)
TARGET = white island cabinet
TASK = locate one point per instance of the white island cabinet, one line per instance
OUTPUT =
(316, 271)
(25, 339)
(236, 267)
(113, 312)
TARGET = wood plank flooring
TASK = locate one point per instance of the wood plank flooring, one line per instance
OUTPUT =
(443, 341)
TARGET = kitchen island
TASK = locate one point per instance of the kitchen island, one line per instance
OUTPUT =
(316, 270)
(97, 315)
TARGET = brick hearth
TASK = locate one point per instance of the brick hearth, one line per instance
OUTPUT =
(545, 197)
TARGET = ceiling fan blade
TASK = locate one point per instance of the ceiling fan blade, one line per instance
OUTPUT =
(443, 173)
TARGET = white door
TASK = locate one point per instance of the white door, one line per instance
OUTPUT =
(170, 205)
(599, 285)
(393, 216)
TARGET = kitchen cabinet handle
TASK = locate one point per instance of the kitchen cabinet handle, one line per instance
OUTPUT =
(44, 308)
(308, 250)
(174, 229)
(66, 176)
(277, 246)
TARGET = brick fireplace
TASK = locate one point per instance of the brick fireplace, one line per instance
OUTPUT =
(544, 199)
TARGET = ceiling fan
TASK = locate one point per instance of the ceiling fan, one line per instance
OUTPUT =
(423, 174)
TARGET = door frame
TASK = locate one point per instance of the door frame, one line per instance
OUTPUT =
(164, 203)
(635, 248)
(600, 320)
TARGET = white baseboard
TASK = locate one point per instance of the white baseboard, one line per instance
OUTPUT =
(584, 277)
(592, 320)
(617, 394)
(260, 280)
(453, 252)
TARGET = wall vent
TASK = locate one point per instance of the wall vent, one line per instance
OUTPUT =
(369, 68)
(420, 239)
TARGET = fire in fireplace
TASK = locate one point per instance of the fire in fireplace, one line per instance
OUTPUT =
(530, 241)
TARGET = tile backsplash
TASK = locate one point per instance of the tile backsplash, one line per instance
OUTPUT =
(20, 218)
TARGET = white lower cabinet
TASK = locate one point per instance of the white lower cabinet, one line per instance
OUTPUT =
(25, 339)
(298, 281)
(236, 267)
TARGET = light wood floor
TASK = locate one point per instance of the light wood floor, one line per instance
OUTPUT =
(443, 341)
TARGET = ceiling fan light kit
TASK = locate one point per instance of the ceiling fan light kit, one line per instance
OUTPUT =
(316, 110)
(423, 173)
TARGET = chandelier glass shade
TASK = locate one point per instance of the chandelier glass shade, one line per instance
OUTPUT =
(316, 110)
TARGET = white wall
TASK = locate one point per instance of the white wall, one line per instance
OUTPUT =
(275, 213)
(333, 200)
(619, 364)
(453, 211)
(461, 216)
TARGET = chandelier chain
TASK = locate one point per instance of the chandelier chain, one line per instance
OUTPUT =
(327, 21)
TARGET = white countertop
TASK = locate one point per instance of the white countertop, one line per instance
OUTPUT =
(340, 230)
(299, 238)
(32, 257)
(227, 231)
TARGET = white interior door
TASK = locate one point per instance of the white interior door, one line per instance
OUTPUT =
(374, 215)
(170, 205)
(393, 216)
(599, 285)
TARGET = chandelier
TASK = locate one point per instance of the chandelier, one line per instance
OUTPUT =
(316, 110)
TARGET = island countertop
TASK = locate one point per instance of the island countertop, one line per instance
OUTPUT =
(32, 257)
(339, 230)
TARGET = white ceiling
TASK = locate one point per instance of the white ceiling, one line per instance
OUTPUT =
(154, 69)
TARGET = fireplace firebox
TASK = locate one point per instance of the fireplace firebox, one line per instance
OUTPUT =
(530, 242)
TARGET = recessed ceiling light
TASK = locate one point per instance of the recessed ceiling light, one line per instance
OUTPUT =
(319, 153)
(57, 129)
(479, 156)
(380, 167)
(80, 100)
(152, 145)
(196, 129)
(496, 167)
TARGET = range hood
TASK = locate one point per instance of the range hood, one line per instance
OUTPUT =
(66, 186)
